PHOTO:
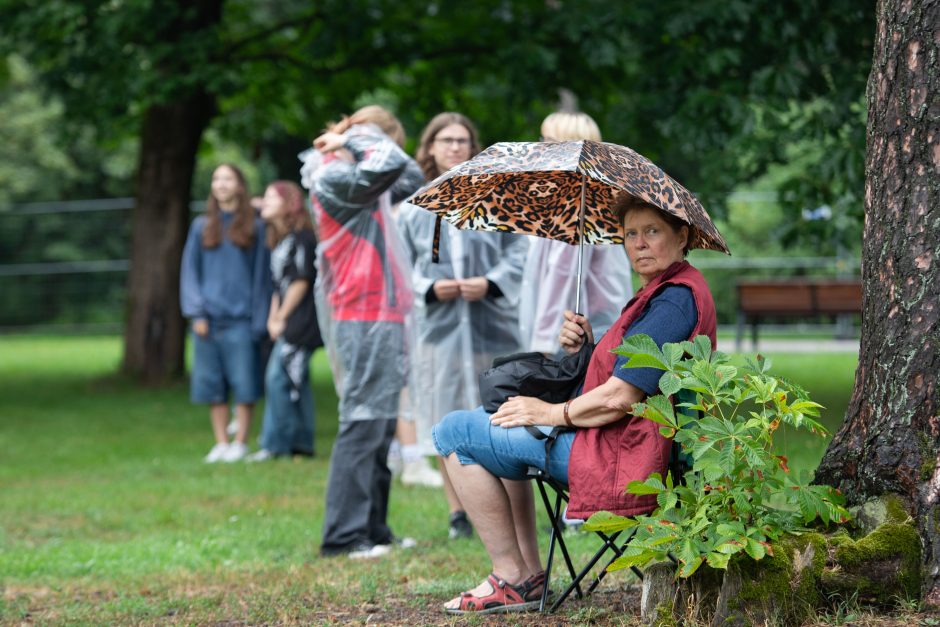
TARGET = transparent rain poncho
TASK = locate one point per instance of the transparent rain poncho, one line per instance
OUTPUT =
(550, 284)
(456, 340)
(363, 290)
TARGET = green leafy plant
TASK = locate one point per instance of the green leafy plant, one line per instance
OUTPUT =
(738, 495)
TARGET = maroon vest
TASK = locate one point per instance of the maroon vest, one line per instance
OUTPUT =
(605, 459)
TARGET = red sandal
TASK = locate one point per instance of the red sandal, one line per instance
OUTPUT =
(533, 587)
(504, 598)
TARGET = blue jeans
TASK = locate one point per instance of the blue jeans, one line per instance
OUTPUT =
(287, 426)
(225, 361)
(506, 453)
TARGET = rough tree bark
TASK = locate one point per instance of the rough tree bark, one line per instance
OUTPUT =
(155, 332)
(154, 336)
(889, 440)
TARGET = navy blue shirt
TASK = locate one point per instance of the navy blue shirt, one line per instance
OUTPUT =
(226, 282)
(670, 316)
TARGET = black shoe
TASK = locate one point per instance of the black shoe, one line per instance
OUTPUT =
(460, 526)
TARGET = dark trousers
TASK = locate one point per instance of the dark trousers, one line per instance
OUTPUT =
(358, 486)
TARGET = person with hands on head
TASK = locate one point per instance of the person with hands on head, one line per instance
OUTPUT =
(225, 289)
(604, 448)
(466, 302)
(355, 173)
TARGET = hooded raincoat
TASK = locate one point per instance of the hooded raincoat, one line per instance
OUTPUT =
(456, 340)
(363, 290)
(550, 284)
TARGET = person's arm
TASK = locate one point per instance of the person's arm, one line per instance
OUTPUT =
(192, 302)
(295, 293)
(506, 275)
(504, 278)
(669, 317)
(410, 180)
(603, 405)
(274, 329)
(377, 164)
(262, 284)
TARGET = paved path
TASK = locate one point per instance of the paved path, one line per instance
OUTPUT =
(793, 346)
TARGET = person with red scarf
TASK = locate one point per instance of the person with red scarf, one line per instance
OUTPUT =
(605, 448)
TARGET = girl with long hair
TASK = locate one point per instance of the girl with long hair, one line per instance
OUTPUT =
(224, 291)
(466, 305)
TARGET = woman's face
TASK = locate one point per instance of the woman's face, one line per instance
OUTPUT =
(225, 187)
(651, 243)
(272, 205)
(450, 146)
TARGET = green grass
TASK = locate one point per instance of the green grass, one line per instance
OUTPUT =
(108, 514)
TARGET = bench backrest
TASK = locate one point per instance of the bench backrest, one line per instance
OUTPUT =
(800, 297)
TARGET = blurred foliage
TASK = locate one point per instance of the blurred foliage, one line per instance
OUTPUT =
(716, 91)
(724, 94)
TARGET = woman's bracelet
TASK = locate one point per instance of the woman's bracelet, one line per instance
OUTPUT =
(566, 416)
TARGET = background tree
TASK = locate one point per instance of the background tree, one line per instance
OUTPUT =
(890, 439)
(716, 91)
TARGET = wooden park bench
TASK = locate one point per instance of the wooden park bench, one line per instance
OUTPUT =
(794, 298)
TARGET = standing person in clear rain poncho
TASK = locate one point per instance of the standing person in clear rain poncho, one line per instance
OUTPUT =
(465, 304)
(356, 173)
(550, 280)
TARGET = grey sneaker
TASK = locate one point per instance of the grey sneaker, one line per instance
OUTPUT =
(460, 526)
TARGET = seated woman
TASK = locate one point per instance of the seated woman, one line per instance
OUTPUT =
(487, 456)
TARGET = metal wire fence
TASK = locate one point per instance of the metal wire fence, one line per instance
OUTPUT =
(63, 267)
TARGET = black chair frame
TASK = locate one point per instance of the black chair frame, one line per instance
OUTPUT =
(614, 543)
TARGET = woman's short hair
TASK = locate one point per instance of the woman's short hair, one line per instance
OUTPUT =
(373, 114)
(626, 203)
(570, 126)
(439, 122)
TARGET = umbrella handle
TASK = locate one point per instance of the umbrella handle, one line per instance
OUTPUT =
(436, 243)
(577, 302)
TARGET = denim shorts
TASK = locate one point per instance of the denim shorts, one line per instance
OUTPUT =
(506, 453)
(224, 362)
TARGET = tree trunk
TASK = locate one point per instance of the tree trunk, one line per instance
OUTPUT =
(890, 437)
(155, 332)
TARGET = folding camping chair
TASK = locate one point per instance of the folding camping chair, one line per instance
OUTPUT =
(614, 543)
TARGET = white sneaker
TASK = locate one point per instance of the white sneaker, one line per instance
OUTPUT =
(216, 453)
(262, 455)
(366, 552)
(235, 452)
(419, 473)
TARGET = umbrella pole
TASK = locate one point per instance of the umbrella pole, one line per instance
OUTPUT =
(577, 302)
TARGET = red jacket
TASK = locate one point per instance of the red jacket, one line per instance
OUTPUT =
(605, 459)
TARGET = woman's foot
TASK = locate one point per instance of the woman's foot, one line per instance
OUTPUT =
(492, 596)
(533, 586)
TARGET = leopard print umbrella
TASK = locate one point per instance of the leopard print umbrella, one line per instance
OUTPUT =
(536, 188)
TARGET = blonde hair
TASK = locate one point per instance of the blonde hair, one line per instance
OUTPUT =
(373, 114)
(570, 126)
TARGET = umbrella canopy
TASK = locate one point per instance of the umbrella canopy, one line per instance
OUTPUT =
(560, 190)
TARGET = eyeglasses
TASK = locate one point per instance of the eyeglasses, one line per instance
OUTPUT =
(460, 142)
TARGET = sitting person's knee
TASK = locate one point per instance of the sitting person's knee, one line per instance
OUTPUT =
(457, 428)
